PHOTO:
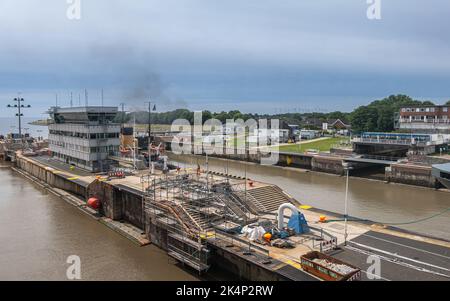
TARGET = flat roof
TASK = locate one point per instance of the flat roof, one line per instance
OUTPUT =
(424, 106)
(88, 109)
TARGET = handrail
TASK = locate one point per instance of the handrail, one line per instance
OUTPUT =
(233, 206)
(390, 141)
(256, 201)
(442, 121)
(240, 203)
(321, 230)
(378, 157)
(245, 242)
(192, 220)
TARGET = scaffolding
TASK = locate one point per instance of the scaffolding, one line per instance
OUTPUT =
(190, 206)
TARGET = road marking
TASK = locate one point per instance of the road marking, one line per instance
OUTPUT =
(403, 245)
(294, 264)
(305, 207)
(397, 262)
(375, 276)
(399, 256)
(435, 241)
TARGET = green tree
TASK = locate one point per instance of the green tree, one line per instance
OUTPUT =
(378, 116)
(121, 117)
(385, 121)
(206, 115)
(338, 115)
(428, 103)
(222, 116)
(364, 119)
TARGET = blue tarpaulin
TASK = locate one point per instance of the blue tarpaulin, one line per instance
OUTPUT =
(298, 223)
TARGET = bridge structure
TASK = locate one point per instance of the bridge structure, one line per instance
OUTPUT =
(373, 159)
(442, 173)
(398, 144)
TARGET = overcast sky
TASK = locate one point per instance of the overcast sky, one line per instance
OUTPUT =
(253, 55)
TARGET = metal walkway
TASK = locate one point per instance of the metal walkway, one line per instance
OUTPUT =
(373, 159)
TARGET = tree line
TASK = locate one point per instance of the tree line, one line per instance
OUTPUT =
(378, 116)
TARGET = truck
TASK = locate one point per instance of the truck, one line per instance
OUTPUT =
(328, 268)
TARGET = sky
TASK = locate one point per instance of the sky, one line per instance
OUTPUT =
(264, 56)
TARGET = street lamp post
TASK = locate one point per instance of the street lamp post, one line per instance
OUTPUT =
(150, 134)
(347, 168)
(150, 121)
(19, 106)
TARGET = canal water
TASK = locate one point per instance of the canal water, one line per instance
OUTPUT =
(368, 199)
(11, 125)
(38, 231)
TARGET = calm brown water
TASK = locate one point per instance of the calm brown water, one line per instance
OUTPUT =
(38, 232)
(368, 199)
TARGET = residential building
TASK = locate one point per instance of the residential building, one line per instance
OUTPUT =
(309, 134)
(269, 135)
(338, 124)
(425, 119)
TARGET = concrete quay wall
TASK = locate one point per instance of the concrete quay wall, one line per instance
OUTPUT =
(117, 204)
(50, 176)
(327, 164)
(412, 174)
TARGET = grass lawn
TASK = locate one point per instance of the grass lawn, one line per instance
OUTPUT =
(321, 145)
(237, 141)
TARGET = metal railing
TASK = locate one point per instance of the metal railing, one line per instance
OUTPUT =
(242, 242)
(439, 121)
(377, 157)
(391, 141)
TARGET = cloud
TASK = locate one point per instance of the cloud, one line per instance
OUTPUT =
(180, 52)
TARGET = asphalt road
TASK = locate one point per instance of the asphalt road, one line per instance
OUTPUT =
(62, 166)
(400, 258)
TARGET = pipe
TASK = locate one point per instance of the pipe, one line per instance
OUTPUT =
(281, 213)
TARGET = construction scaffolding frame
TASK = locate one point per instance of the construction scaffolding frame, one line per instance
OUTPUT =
(189, 206)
